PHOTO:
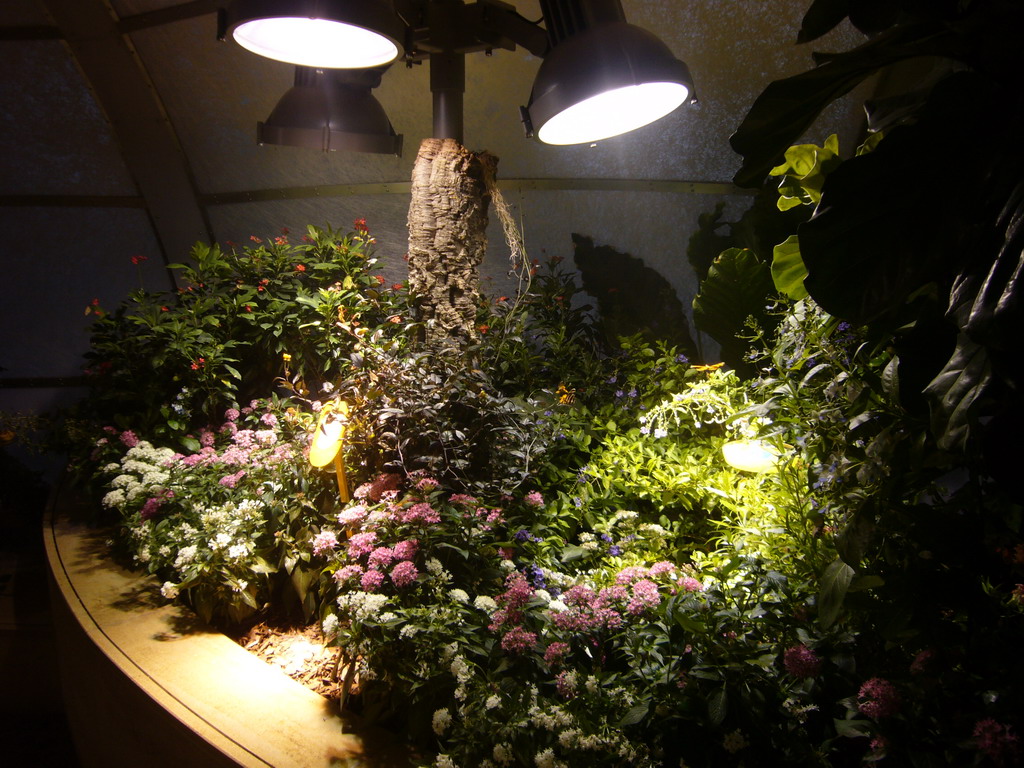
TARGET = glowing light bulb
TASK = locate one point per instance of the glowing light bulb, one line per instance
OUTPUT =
(750, 455)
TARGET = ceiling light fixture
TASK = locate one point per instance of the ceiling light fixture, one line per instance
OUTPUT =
(334, 34)
(331, 110)
(600, 77)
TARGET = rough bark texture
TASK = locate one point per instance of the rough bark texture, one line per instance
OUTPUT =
(447, 238)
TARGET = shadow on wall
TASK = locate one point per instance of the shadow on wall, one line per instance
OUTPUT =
(632, 298)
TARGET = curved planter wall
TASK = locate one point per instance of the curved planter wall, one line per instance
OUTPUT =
(145, 684)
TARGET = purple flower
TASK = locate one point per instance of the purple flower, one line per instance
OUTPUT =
(521, 535)
(614, 550)
(129, 438)
(801, 661)
(878, 698)
(404, 574)
(268, 419)
(206, 438)
(231, 414)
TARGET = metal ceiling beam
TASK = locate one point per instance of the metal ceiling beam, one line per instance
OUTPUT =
(146, 138)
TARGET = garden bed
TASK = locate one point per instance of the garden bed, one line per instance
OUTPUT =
(145, 682)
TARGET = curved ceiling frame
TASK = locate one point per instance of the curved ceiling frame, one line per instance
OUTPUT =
(148, 142)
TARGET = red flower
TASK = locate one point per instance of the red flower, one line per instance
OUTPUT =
(198, 363)
(483, 328)
(248, 307)
(285, 230)
(395, 319)
(502, 298)
(282, 240)
(136, 260)
(165, 309)
(396, 287)
(380, 279)
(255, 239)
(300, 267)
(360, 225)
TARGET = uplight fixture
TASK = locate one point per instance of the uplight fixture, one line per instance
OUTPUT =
(330, 110)
(333, 34)
(750, 455)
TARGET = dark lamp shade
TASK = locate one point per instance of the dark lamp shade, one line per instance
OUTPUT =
(320, 113)
(604, 81)
(332, 34)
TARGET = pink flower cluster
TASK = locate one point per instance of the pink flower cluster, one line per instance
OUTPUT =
(590, 611)
(152, 506)
(555, 653)
(324, 542)
(230, 481)
(878, 698)
(518, 640)
(645, 595)
(801, 661)
(421, 513)
(997, 741)
(508, 618)
(533, 499)
(352, 515)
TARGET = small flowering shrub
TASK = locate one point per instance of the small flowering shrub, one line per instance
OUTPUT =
(549, 561)
(167, 363)
(224, 527)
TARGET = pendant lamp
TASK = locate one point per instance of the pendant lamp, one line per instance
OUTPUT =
(336, 34)
(331, 110)
(602, 75)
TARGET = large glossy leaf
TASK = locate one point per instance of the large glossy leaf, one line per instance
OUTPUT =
(835, 583)
(987, 308)
(787, 108)
(956, 391)
(888, 221)
(737, 286)
(788, 270)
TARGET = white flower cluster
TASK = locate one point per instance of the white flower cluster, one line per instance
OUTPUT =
(141, 473)
(485, 603)
(441, 720)
(330, 625)
(362, 606)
